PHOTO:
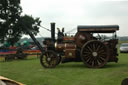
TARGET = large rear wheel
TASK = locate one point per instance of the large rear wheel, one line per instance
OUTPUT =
(94, 54)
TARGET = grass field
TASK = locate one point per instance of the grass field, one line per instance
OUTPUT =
(30, 72)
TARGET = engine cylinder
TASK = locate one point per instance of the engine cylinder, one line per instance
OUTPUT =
(64, 46)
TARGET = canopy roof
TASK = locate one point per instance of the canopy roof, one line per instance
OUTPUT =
(98, 28)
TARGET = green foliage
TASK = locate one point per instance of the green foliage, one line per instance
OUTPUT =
(10, 18)
(30, 23)
(10, 11)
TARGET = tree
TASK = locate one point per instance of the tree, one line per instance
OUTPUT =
(23, 23)
(10, 11)
(12, 24)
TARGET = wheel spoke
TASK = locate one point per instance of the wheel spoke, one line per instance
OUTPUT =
(98, 48)
(93, 63)
(94, 47)
(89, 49)
(102, 58)
(88, 59)
(101, 48)
(87, 54)
(101, 51)
(98, 63)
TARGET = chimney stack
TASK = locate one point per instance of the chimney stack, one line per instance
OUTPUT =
(53, 31)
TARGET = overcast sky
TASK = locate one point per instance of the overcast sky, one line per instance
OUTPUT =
(71, 13)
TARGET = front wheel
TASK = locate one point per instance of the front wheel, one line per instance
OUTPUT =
(49, 59)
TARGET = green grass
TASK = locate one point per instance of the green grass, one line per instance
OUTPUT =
(30, 72)
(122, 42)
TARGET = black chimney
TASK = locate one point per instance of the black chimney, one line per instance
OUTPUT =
(53, 31)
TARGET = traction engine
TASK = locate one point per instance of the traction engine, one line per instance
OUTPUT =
(84, 46)
(93, 51)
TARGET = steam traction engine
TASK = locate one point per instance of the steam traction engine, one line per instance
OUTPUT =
(95, 52)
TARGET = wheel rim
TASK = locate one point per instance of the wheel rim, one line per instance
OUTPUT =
(49, 59)
(94, 54)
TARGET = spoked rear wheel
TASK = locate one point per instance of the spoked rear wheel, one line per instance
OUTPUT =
(94, 54)
(49, 59)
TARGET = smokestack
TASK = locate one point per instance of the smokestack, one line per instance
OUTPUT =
(53, 31)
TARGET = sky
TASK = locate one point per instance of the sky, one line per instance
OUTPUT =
(71, 13)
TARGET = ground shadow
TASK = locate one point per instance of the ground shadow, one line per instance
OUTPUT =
(112, 65)
(80, 65)
(72, 65)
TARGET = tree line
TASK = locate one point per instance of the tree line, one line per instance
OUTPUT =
(12, 24)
